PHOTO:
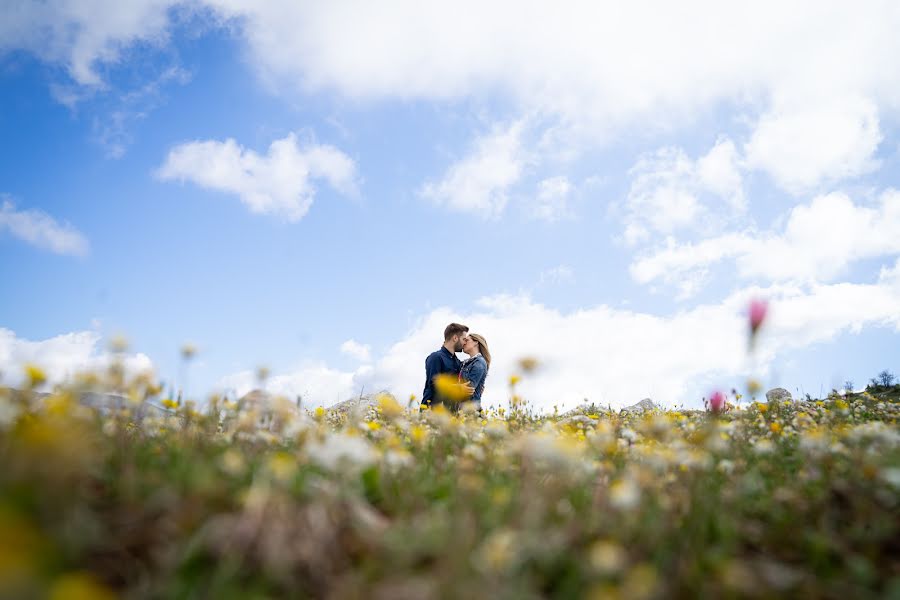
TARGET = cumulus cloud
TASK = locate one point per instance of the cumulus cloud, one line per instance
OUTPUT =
(61, 356)
(354, 349)
(671, 192)
(552, 200)
(40, 229)
(316, 383)
(815, 87)
(277, 183)
(818, 242)
(812, 144)
(479, 183)
(81, 35)
(614, 356)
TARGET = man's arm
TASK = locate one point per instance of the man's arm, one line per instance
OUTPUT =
(432, 368)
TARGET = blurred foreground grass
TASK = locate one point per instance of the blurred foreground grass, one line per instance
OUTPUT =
(262, 499)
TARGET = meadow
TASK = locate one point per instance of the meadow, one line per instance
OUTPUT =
(265, 499)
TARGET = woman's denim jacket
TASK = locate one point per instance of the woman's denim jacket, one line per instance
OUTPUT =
(474, 370)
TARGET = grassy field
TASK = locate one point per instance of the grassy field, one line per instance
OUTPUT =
(266, 500)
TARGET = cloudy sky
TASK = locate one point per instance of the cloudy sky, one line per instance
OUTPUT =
(319, 188)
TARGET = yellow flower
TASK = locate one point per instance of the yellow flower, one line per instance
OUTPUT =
(388, 406)
(528, 364)
(79, 586)
(418, 433)
(319, 412)
(607, 557)
(514, 379)
(282, 466)
(35, 375)
(448, 387)
(373, 425)
(762, 407)
(169, 403)
(775, 427)
(754, 387)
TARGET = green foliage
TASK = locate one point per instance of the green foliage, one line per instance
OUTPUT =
(266, 500)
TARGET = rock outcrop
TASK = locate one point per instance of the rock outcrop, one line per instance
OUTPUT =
(778, 395)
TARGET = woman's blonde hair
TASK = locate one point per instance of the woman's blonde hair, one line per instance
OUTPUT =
(482, 347)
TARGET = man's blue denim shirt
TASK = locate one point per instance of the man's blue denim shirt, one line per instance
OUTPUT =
(440, 361)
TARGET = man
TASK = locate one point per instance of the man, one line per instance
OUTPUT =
(443, 360)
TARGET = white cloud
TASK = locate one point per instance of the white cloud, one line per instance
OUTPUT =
(361, 352)
(278, 183)
(811, 144)
(552, 201)
(61, 356)
(670, 192)
(80, 34)
(817, 87)
(557, 275)
(316, 383)
(480, 182)
(719, 172)
(40, 229)
(614, 356)
(599, 68)
(818, 243)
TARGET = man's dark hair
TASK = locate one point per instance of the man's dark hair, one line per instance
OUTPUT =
(454, 329)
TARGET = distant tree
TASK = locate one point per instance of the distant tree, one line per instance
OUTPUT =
(886, 378)
(848, 386)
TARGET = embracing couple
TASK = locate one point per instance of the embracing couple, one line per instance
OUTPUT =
(454, 383)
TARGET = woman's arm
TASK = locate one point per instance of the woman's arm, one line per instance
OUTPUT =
(475, 373)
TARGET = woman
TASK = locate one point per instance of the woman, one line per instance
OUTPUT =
(475, 368)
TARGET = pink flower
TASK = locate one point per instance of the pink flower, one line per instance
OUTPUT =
(717, 401)
(758, 309)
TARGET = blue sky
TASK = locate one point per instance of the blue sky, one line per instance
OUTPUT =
(319, 190)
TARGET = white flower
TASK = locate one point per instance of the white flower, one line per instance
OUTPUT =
(9, 412)
(628, 434)
(764, 446)
(624, 494)
(338, 450)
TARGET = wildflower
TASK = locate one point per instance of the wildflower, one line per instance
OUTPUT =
(498, 552)
(448, 386)
(9, 412)
(528, 364)
(232, 462)
(390, 408)
(418, 434)
(641, 582)
(338, 450)
(79, 586)
(717, 401)
(513, 380)
(754, 387)
(624, 494)
(35, 375)
(757, 313)
(319, 412)
(761, 407)
(775, 427)
(118, 344)
(169, 403)
(764, 446)
(282, 466)
(607, 557)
